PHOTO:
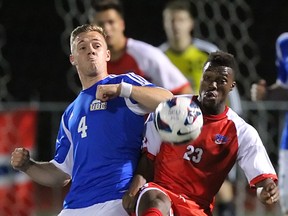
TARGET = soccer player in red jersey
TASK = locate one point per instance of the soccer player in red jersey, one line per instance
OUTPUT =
(183, 179)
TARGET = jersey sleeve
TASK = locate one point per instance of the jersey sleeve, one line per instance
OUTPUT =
(136, 80)
(253, 157)
(152, 140)
(63, 158)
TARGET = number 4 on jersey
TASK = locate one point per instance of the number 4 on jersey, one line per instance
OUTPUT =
(82, 127)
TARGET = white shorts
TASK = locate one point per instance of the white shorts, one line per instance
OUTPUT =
(109, 208)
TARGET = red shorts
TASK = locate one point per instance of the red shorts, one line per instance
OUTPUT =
(181, 205)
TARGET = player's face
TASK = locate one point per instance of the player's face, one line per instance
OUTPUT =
(177, 24)
(216, 83)
(113, 24)
(90, 53)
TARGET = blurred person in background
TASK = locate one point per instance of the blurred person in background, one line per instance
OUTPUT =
(185, 51)
(100, 135)
(189, 54)
(278, 92)
(128, 54)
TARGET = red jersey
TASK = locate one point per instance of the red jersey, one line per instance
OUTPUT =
(196, 170)
(151, 63)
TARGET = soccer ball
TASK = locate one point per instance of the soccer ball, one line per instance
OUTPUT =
(178, 120)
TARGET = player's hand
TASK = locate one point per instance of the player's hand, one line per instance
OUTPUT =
(269, 194)
(258, 90)
(129, 202)
(107, 92)
(20, 159)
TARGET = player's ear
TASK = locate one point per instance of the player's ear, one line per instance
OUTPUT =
(108, 55)
(71, 58)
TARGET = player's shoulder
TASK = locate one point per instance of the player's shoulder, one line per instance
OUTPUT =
(204, 45)
(131, 78)
(117, 78)
(233, 116)
(241, 125)
(68, 111)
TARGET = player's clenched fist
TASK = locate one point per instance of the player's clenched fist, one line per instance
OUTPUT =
(20, 159)
(106, 92)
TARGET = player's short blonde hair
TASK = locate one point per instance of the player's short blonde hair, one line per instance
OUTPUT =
(85, 28)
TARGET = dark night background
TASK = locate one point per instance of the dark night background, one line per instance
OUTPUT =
(30, 42)
(38, 65)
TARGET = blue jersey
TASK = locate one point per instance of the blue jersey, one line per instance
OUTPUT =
(282, 78)
(282, 59)
(99, 144)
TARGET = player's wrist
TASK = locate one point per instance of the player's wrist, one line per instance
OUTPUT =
(125, 89)
(27, 165)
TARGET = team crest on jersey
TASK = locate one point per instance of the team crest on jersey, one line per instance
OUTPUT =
(220, 139)
(98, 105)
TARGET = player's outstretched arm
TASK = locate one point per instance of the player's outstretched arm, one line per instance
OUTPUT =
(44, 173)
(148, 97)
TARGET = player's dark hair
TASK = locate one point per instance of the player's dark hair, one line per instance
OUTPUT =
(103, 5)
(221, 58)
(179, 5)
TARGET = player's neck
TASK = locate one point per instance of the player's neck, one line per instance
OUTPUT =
(88, 81)
(213, 110)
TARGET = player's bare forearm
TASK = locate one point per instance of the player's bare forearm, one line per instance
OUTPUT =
(145, 168)
(150, 97)
(44, 173)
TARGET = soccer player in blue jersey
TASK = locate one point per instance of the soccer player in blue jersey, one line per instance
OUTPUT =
(278, 91)
(99, 139)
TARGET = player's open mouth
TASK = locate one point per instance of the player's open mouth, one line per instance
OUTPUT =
(210, 94)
